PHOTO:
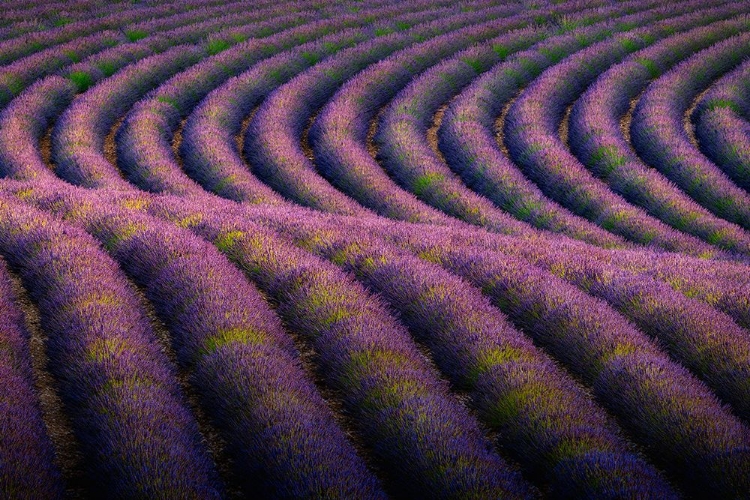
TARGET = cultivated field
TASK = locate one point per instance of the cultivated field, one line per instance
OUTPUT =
(374, 249)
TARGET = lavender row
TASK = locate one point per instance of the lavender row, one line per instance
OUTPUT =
(683, 427)
(466, 133)
(270, 25)
(540, 414)
(131, 21)
(198, 33)
(15, 77)
(26, 452)
(322, 10)
(467, 139)
(19, 28)
(24, 122)
(720, 284)
(660, 139)
(339, 134)
(107, 62)
(701, 338)
(404, 126)
(181, 24)
(729, 91)
(198, 16)
(78, 137)
(422, 437)
(13, 49)
(209, 149)
(531, 136)
(597, 139)
(721, 126)
(60, 13)
(680, 423)
(272, 143)
(282, 438)
(420, 434)
(126, 409)
(145, 139)
(50, 96)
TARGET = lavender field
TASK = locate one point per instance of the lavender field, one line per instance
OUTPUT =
(374, 249)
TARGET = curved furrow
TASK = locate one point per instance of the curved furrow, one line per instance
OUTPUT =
(339, 134)
(26, 450)
(293, 419)
(272, 143)
(721, 125)
(26, 123)
(607, 352)
(282, 437)
(362, 349)
(415, 426)
(722, 285)
(656, 400)
(239, 26)
(57, 14)
(531, 135)
(409, 158)
(51, 95)
(596, 137)
(78, 137)
(19, 28)
(217, 16)
(127, 412)
(13, 49)
(15, 77)
(209, 149)
(374, 249)
(96, 171)
(701, 338)
(538, 411)
(67, 453)
(595, 352)
(183, 90)
(466, 136)
(209, 137)
(145, 142)
(660, 139)
(47, 97)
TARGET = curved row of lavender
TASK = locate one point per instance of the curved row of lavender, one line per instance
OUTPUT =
(273, 149)
(659, 136)
(372, 249)
(594, 343)
(721, 125)
(130, 419)
(25, 445)
(597, 138)
(420, 168)
(531, 131)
